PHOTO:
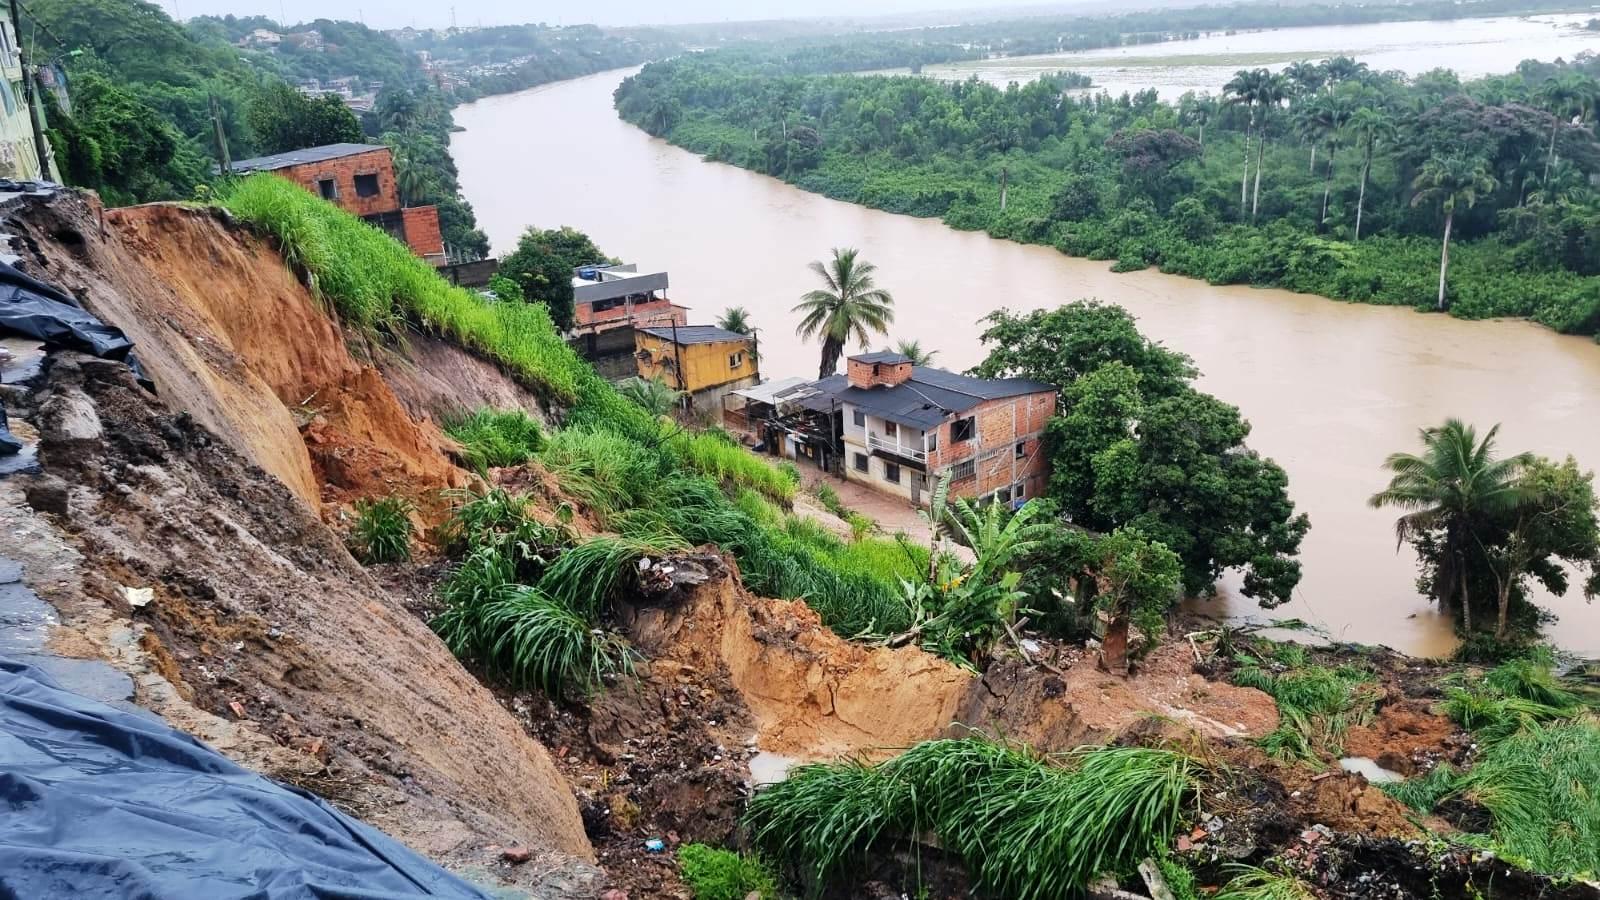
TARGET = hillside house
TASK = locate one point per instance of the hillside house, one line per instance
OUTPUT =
(898, 428)
(704, 361)
(358, 178)
(19, 149)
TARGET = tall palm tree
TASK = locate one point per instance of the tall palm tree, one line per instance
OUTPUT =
(1305, 78)
(1343, 68)
(1563, 97)
(1450, 489)
(913, 351)
(1270, 93)
(735, 319)
(849, 305)
(1243, 90)
(1330, 114)
(1370, 125)
(1449, 181)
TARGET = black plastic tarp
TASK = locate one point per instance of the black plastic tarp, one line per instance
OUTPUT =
(100, 803)
(31, 308)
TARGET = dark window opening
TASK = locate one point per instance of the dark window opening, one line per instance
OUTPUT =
(328, 188)
(859, 417)
(963, 429)
(367, 185)
(861, 462)
(1022, 450)
(891, 473)
(890, 429)
(1003, 495)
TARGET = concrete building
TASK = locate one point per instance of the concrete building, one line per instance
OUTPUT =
(358, 178)
(19, 152)
(704, 361)
(898, 428)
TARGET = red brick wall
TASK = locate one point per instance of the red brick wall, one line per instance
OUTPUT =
(654, 312)
(343, 171)
(862, 375)
(421, 224)
(1001, 425)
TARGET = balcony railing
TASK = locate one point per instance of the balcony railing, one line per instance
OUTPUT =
(906, 451)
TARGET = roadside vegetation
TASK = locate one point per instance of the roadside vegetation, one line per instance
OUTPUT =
(1326, 178)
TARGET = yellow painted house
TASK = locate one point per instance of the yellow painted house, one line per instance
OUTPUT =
(704, 361)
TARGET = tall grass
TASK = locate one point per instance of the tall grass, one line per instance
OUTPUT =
(1251, 883)
(716, 874)
(1026, 826)
(543, 643)
(1316, 705)
(584, 578)
(382, 532)
(1542, 785)
(494, 438)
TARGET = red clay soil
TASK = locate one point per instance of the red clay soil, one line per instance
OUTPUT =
(1407, 738)
(361, 441)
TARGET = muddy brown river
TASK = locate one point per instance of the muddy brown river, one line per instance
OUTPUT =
(1329, 387)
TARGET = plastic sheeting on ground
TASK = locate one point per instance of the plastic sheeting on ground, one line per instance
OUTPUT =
(100, 803)
(30, 307)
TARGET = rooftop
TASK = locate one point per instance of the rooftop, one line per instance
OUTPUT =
(922, 401)
(888, 357)
(301, 157)
(697, 334)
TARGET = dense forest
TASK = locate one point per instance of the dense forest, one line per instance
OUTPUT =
(1325, 178)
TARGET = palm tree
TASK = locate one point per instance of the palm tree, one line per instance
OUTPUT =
(1563, 97)
(735, 319)
(1329, 116)
(1343, 68)
(1451, 488)
(1306, 78)
(1370, 125)
(651, 393)
(1270, 94)
(913, 351)
(1244, 90)
(1448, 181)
(850, 305)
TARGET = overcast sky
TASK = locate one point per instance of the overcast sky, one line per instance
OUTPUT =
(436, 13)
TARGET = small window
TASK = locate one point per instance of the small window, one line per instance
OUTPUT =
(1003, 495)
(891, 430)
(1018, 491)
(1022, 449)
(963, 470)
(735, 360)
(328, 188)
(367, 185)
(860, 418)
(933, 440)
(10, 106)
(891, 473)
(861, 462)
(963, 430)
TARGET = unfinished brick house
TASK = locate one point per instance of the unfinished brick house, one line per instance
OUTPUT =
(358, 178)
(900, 427)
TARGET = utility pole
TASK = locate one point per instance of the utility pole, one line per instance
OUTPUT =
(220, 136)
(41, 145)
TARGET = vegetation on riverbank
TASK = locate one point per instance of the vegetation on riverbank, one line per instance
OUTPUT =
(1330, 179)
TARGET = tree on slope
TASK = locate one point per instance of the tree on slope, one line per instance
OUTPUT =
(1450, 181)
(849, 305)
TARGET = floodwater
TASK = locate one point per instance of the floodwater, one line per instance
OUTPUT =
(1330, 388)
(1472, 47)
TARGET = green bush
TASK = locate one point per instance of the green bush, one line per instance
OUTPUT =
(1539, 785)
(716, 874)
(1026, 826)
(493, 438)
(1316, 705)
(382, 532)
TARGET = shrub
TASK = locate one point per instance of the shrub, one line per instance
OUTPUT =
(382, 532)
(1539, 785)
(492, 439)
(585, 577)
(1026, 826)
(541, 643)
(715, 874)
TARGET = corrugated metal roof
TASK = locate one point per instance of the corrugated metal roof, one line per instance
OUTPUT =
(982, 388)
(301, 157)
(594, 291)
(768, 391)
(697, 334)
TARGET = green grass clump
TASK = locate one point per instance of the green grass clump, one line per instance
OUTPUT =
(542, 643)
(1423, 793)
(716, 874)
(1316, 704)
(1026, 826)
(1542, 786)
(382, 533)
(1251, 883)
(586, 576)
(493, 438)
